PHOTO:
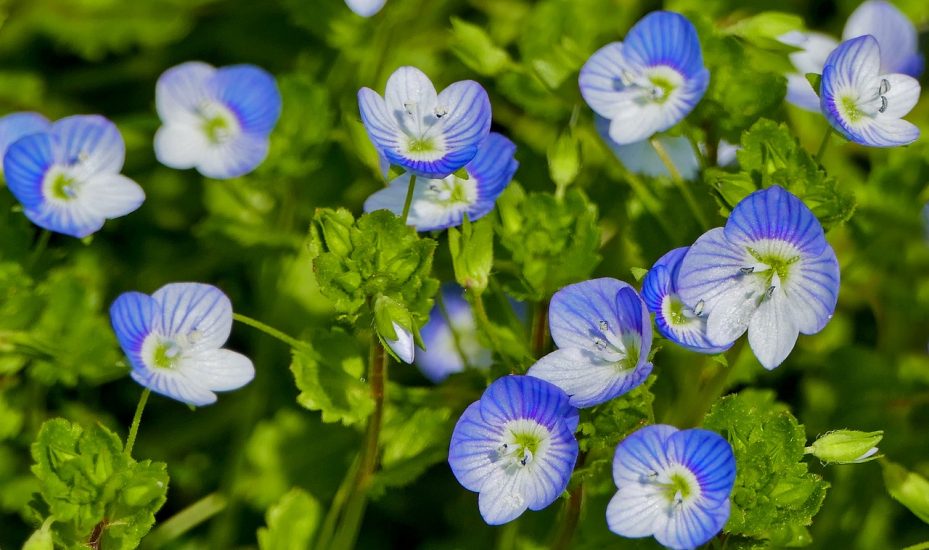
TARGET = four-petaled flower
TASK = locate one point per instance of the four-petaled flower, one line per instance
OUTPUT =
(67, 177)
(674, 319)
(173, 340)
(215, 120)
(515, 446)
(648, 83)
(430, 135)
(673, 485)
(770, 271)
(442, 203)
(604, 336)
(451, 342)
(861, 102)
(365, 8)
(17, 125)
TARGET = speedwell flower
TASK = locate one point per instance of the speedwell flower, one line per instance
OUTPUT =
(861, 102)
(442, 203)
(67, 177)
(811, 59)
(16, 125)
(648, 83)
(173, 340)
(770, 271)
(365, 8)
(673, 485)
(215, 120)
(515, 447)
(604, 335)
(674, 319)
(451, 342)
(428, 134)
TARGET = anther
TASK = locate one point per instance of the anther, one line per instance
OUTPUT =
(883, 106)
(433, 187)
(884, 87)
(600, 344)
(441, 111)
(409, 108)
(604, 326)
(747, 270)
(770, 292)
(698, 309)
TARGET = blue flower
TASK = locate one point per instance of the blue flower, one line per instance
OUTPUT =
(604, 334)
(442, 203)
(515, 447)
(769, 271)
(894, 32)
(173, 340)
(648, 83)
(673, 485)
(365, 8)
(428, 134)
(451, 343)
(403, 345)
(861, 102)
(811, 59)
(215, 120)
(674, 319)
(67, 177)
(17, 125)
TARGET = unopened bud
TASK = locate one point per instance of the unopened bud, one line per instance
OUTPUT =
(846, 446)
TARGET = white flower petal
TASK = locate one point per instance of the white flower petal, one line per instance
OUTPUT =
(218, 369)
(111, 195)
(201, 313)
(403, 346)
(180, 145)
(772, 332)
(181, 90)
(902, 95)
(501, 499)
(636, 511)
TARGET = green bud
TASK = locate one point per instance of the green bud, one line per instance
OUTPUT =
(846, 447)
(389, 317)
(472, 251)
(564, 160)
(336, 227)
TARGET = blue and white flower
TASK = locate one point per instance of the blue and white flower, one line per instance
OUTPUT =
(864, 104)
(428, 134)
(894, 32)
(673, 485)
(67, 177)
(604, 335)
(648, 83)
(515, 447)
(215, 120)
(674, 319)
(442, 203)
(16, 125)
(174, 340)
(811, 59)
(769, 271)
(451, 342)
(365, 8)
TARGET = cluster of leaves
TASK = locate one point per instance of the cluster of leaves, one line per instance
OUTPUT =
(92, 491)
(775, 496)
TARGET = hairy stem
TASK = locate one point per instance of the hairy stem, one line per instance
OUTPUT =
(40, 246)
(540, 329)
(572, 512)
(276, 334)
(409, 198)
(136, 420)
(679, 181)
(823, 145)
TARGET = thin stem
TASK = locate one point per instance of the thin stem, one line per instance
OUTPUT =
(327, 531)
(40, 246)
(572, 512)
(186, 519)
(539, 328)
(456, 338)
(350, 523)
(823, 145)
(136, 420)
(679, 181)
(276, 334)
(409, 198)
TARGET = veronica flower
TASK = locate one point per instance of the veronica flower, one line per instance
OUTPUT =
(648, 83)
(452, 342)
(863, 104)
(673, 485)
(811, 59)
(769, 271)
(515, 446)
(428, 134)
(17, 125)
(365, 8)
(67, 177)
(173, 340)
(442, 203)
(604, 335)
(674, 319)
(215, 120)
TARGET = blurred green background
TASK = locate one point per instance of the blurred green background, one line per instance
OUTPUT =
(868, 370)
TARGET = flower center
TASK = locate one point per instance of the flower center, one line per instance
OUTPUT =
(524, 442)
(217, 123)
(676, 484)
(856, 106)
(676, 312)
(451, 191)
(420, 145)
(63, 187)
(166, 354)
(772, 263)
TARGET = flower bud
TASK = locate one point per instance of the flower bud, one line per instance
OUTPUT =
(336, 226)
(394, 325)
(846, 447)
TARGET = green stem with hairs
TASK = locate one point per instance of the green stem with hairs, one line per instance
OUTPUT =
(136, 420)
(276, 334)
(823, 145)
(679, 181)
(409, 198)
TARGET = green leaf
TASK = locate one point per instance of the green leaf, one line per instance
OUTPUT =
(90, 486)
(815, 80)
(638, 273)
(476, 49)
(472, 250)
(292, 522)
(773, 489)
(908, 488)
(333, 385)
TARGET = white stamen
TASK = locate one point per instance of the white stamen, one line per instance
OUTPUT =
(698, 309)
(747, 270)
(883, 106)
(884, 87)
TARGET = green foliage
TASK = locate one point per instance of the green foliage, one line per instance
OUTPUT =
(331, 381)
(477, 50)
(377, 254)
(553, 242)
(771, 155)
(472, 250)
(93, 489)
(292, 522)
(908, 488)
(775, 496)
